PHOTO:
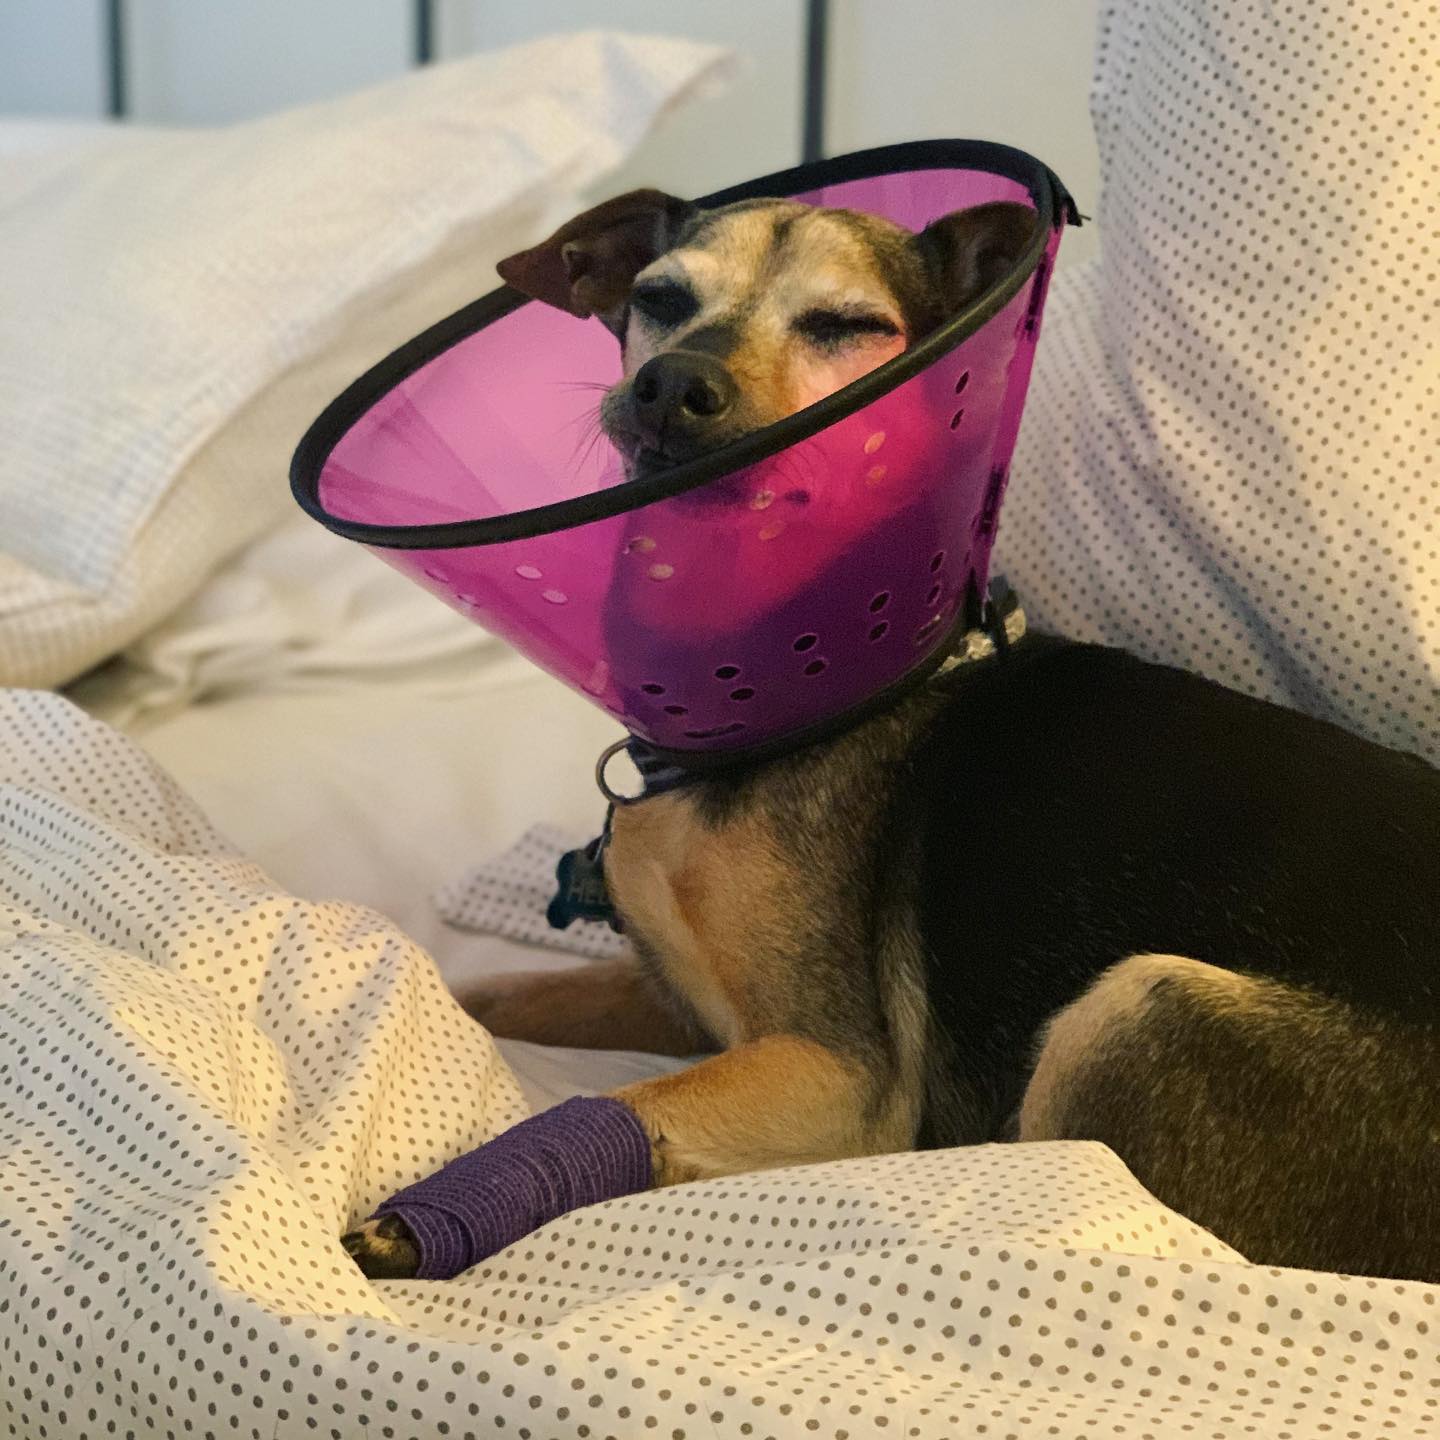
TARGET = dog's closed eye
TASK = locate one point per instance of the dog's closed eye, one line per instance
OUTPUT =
(664, 303)
(830, 329)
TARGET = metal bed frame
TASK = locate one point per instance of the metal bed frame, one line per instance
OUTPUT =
(422, 52)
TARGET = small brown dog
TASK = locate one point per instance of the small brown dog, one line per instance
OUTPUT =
(873, 976)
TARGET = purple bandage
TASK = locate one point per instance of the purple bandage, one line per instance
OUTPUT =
(587, 1150)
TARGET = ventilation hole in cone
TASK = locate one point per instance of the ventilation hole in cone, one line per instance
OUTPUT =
(717, 732)
(879, 632)
(676, 710)
(934, 594)
(554, 597)
(927, 630)
(726, 672)
(962, 382)
(936, 561)
(879, 602)
(529, 572)
(806, 642)
(956, 418)
(816, 667)
(743, 693)
(651, 688)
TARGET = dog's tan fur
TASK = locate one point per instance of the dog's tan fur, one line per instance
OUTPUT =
(726, 1115)
(737, 273)
(754, 279)
(715, 909)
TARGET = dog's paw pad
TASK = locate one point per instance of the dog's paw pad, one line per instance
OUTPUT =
(383, 1248)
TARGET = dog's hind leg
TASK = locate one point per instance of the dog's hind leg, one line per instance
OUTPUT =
(1299, 1130)
(605, 1005)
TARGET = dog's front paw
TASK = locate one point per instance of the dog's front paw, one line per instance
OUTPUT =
(384, 1249)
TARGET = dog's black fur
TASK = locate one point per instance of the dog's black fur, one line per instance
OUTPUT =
(1069, 806)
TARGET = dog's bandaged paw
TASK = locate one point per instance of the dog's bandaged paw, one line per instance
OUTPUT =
(579, 1153)
(383, 1248)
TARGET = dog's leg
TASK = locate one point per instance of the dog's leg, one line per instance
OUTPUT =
(1298, 1130)
(810, 973)
(605, 1005)
(778, 1100)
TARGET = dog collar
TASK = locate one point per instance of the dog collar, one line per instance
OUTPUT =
(990, 629)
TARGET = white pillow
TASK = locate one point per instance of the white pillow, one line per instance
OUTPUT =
(297, 609)
(1228, 460)
(177, 305)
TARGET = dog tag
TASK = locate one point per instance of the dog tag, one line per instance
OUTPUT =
(581, 893)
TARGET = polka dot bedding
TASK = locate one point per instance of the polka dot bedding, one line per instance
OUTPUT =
(1228, 456)
(203, 1080)
(508, 895)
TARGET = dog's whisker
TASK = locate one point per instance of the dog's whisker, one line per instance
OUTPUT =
(591, 418)
(591, 440)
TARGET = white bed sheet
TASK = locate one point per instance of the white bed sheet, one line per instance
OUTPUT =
(359, 741)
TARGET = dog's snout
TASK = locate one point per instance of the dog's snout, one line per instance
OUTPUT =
(681, 393)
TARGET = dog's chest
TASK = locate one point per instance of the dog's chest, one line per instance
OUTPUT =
(727, 911)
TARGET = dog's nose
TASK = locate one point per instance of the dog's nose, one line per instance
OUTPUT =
(680, 395)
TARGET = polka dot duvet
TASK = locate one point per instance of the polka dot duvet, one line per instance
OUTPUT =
(1228, 456)
(203, 1079)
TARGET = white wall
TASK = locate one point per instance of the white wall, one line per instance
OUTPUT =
(52, 57)
(1011, 70)
(204, 62)
(1016, 71)
(753, 129)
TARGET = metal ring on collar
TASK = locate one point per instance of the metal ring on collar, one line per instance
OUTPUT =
(606, 756)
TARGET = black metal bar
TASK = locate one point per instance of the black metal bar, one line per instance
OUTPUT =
(817, 42)
(424, 31)
(117, 97)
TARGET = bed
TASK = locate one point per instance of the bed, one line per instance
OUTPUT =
(207, 1077)
(228, 851)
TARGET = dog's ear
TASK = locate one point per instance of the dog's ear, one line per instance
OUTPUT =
(967, 252)
(589, 264)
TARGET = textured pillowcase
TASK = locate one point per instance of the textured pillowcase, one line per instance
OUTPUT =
(179, 304)
(1228, 457)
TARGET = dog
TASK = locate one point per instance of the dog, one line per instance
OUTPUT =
(1057, 894)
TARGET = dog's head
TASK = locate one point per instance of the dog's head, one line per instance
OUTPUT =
(730, 319)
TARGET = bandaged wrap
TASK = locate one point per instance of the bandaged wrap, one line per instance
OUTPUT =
(587, 1150)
